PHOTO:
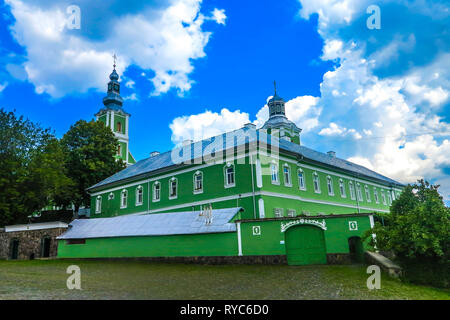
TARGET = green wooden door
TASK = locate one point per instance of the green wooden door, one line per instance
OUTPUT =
(305, 245)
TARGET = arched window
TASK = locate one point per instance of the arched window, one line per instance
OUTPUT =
(98, 204)
(110, 196)
(229, 175)
(351, 187)
(330, 186)
(301, 180)
(123, 199)
(119, 126)
(375, 195)
(274, 173)
(287, 175)
(139, 195)
(342, 188)
(198, 182)
(316, 182)
(173, 188)
(366, 189)
(359, 192)
(383, 196)
(156, 191)
(389, 197)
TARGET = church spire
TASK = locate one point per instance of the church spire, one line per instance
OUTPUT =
(276, 103)
(113, 99)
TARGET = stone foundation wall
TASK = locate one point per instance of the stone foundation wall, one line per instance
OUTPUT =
(339, 258)
(30, 242)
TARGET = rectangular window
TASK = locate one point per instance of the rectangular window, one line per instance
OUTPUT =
(352, 190)
(389, 197)
(375, 195)
(383, 197)
(198, 182)
(301, 180)
(278, 212)
(229, 176)
(292, 213)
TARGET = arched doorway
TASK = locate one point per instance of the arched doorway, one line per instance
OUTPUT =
(14, 249)
(45, 247)
(305, 245)
(356, 249)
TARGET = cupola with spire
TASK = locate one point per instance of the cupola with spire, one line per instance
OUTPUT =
(114, 116)
(278, 124)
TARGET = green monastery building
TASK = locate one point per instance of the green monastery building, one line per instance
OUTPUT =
(247, 195)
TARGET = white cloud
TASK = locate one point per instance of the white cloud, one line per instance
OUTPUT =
(336, 130)
(207, 124)
(61, 61)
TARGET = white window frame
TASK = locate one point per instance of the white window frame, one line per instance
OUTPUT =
(172, 180)
(289, 182)
(225, 173)
(316, 176)
(367, 191)
(198, 174)
(342, 190)
(383, 197)
(291, 212)
(278, 212)
(139, 190)
(303, 185)
(330, 186)
(154, 199)
(359, 195)
(274, 171)
(123, 195)
(375, 195)
(389, 197)
(98, 204)
(352, 190)
(110, 196)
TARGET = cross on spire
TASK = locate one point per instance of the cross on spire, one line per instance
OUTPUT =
(115, 57)
(275, 86)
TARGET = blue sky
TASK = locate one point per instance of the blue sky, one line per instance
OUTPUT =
(191, 69)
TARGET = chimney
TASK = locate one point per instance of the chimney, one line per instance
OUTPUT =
(153, 154)
(332, 154)
(250, 125)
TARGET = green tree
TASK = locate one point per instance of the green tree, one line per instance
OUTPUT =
(417, 231)
(30, 174)
(90, 149)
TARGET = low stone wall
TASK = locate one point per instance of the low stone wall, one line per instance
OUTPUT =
(30, 243)
(384, 263)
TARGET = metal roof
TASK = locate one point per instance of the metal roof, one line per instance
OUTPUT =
(241, 136)
(159, 224)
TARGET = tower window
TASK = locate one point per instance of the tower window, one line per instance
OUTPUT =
(119, 150)
(116, 87)
(119, 126)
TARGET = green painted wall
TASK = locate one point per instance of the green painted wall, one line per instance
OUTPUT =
(213, 244)
(270, 240)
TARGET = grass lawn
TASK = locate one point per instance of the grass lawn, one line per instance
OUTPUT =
(46, 279)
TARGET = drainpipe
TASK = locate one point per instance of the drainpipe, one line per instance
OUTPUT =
(253, 186)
